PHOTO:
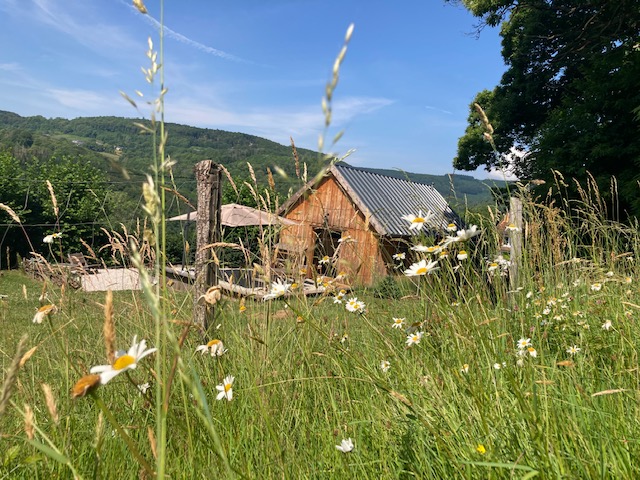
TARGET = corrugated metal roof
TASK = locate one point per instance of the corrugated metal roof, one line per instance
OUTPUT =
(388, 199)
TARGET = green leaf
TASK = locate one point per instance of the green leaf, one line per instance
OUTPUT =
(50, 452)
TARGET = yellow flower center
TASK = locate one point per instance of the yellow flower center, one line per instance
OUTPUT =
(531, 349)
(123, 361)
(227, 387)
(421, 271)
(418, 220)
(213, 342)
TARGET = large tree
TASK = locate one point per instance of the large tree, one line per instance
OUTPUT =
(568, 94)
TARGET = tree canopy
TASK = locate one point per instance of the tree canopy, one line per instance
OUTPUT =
(568, 95)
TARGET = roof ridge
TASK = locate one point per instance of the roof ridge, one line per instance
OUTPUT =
(369, 171)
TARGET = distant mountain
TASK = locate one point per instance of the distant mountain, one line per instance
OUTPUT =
(114, 144)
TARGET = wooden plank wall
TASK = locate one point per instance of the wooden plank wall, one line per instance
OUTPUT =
(361, 259)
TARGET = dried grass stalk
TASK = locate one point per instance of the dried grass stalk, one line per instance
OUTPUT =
(230, 178)
(11, 213)
(51, 403)
(29, 428)
(92, 253)
(12, 376)
(252, 173)
(296, 158)
(54, 200)
(152, 442)
(27, 356)
(272, 183)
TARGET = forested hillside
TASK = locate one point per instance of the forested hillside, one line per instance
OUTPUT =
(113, 144)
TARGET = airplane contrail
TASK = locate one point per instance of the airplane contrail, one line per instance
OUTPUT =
(187, 41)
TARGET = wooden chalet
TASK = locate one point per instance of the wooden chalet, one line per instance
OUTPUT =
(350, 222)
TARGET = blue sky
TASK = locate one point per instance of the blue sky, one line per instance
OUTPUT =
(260, 67)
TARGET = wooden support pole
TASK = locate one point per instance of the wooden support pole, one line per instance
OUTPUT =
(208, 179)
(515, 217)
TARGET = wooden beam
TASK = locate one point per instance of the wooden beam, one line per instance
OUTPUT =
(208, 179)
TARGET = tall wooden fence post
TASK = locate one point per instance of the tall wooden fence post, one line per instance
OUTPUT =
(208, 179)
(515, 217)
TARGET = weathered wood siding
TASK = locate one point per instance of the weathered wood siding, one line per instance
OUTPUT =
(362, 259)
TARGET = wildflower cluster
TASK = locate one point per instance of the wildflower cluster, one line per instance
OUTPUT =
(440, 251)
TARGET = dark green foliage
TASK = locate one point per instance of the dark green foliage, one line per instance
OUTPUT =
(568, 94)
(82, 201)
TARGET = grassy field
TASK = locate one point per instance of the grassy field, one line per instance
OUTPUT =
(538, 379)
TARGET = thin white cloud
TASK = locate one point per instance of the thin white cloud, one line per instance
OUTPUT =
(88, 102)
(10, 67)
(429, 107)
(276, 124)
(100, 37)
(346, 109)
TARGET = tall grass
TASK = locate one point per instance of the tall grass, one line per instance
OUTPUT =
(461, 403)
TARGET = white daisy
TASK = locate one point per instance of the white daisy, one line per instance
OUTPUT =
(43, 312)
(51, 238)
(467, 234)
(143, 387)
(346, 445)
(225, 389)
(413, 338)
(418, 221)
(124, 362)
(215, 347)
(385, 366)
(524, 343)
(278, 289)
(421, 268)
(573, 350)
(355, 305)
(398, 322)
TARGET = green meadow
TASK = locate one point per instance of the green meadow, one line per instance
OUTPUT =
(484, 379)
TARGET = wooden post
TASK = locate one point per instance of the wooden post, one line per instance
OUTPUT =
(208, 179)
(515, 217)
